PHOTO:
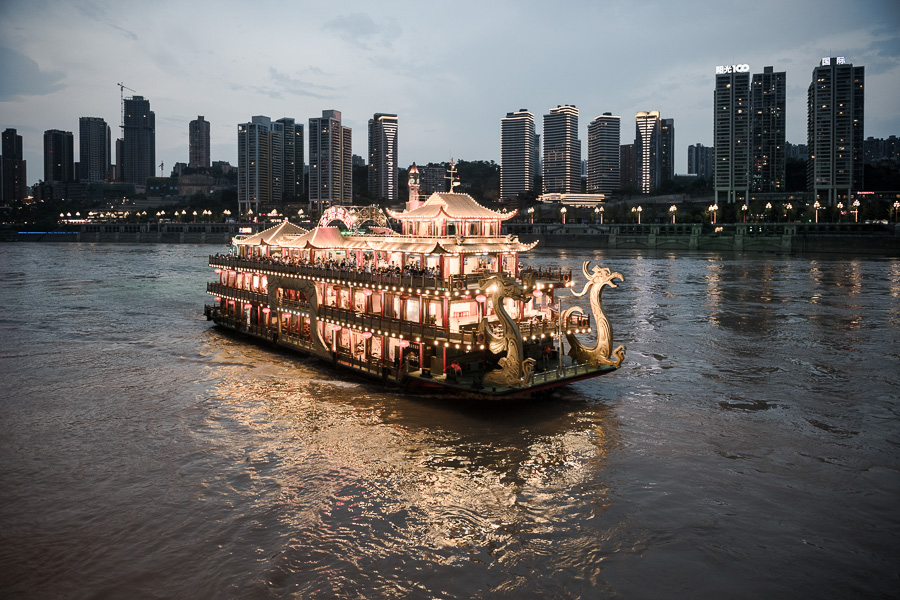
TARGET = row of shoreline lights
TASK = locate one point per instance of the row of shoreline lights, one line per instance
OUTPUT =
(713, 210)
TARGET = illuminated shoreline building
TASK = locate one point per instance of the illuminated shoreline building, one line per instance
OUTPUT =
(835, 122)
(731, 134)
(603, 167)
(292, 159)
(330, 161)
(255, 144)
(767, 103)
(562, 151)
(647, 150)
(383, 173)
(517, 154)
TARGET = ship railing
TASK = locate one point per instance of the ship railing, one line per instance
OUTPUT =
(562, 373)
(550, 273)
(392, 325)
(349, 275)
(233, 293)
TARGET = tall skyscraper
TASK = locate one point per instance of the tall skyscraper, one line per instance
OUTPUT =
(198, 143)
(94, 153)
(293, 161)
(255, 164)
(647, 150)
(517, 154)
(562, 151)
(731, 133)
(666, 150)
(383, 170)
(700, 161)
(835, 123)
(14, 168)
(604, 134)
(767, 103)
(139, 141)
(330, 161)
(59, 159)
(627, 172)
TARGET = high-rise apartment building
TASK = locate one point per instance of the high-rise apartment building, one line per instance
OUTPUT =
(139, 145)
(94, 152)
(293, 161)
(767, 159)
(647, 150)
(562, 151)
(14, 168)
(255, 164)
(835, 121)
(517, 167)
(59, 156)
(666, 150)
(330, 161)
(627, 174)
(731, 133)
(700, 161)
(383, 170)
(198, 143)
(603, 162)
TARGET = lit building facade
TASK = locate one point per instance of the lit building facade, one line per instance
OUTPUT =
(517, 167)
(383, 172)
(603, 162)
(139, 141)
(767, 103)
(330, 161)
(198, 143)
(255, 164)
(835, 123)
(647, 150)
(562, 151)
(292, 158)
(731, 133)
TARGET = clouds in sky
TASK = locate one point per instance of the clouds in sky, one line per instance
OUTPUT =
(450, 71)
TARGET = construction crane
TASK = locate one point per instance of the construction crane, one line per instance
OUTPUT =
(122, 88)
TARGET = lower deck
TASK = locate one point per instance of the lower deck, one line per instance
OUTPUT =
(551, 369)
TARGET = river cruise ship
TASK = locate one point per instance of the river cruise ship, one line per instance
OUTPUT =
(445, 303)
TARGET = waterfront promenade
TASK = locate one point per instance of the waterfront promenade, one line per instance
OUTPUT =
(788, 237)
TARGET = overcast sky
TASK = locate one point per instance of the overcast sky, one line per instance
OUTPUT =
(450, 70)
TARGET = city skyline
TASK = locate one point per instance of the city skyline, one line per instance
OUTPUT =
(445, 83)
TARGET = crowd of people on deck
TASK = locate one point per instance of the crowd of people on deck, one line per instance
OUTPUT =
(350, 265)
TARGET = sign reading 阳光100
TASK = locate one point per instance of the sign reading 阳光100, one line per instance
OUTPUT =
(726, 69)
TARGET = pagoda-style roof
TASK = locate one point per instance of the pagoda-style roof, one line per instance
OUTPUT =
(319, 237)
(454, 207)
(324, 238)
(272, 236)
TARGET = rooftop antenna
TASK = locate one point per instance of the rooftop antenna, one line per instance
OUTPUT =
(161, 169)
(452, 176)
(122, 88)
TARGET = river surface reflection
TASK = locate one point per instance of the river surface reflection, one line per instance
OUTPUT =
(746, 448)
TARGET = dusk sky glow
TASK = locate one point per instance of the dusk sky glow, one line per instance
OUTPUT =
(450, 71)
